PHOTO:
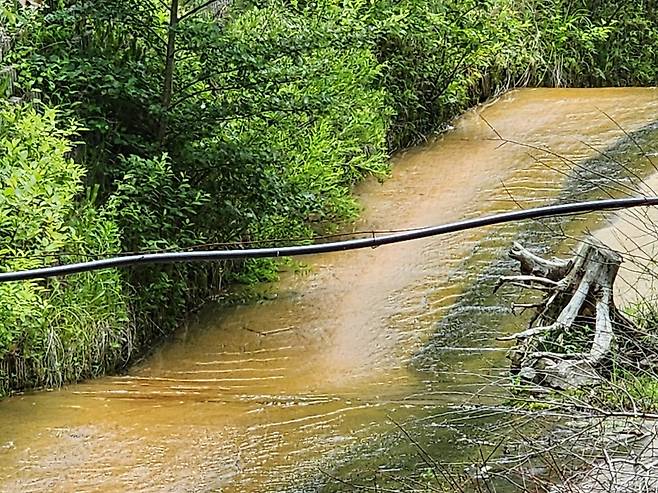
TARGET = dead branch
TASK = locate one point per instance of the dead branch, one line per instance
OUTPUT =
(578, 311)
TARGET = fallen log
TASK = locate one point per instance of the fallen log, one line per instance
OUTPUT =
(576, 327)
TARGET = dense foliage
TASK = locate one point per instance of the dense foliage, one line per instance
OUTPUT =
(57, 330)
(212, 122)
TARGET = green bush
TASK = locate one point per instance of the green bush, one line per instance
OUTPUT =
(592, 42)
(435, 55)
(58, 330)
(158, 210)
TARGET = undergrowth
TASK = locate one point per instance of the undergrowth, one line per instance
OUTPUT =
(253, 129)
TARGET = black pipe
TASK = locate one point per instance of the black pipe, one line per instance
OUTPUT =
(413, 234)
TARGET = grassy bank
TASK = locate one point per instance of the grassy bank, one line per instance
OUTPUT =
(244, 121)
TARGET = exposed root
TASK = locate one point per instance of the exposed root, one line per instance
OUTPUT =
(574, 331)
(527, 281)
(531, 264)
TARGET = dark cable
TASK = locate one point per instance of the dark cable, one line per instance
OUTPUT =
(413, 234)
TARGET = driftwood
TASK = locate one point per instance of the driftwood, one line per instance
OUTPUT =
(576, 326)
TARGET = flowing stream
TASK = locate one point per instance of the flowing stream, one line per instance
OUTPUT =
(288, 392)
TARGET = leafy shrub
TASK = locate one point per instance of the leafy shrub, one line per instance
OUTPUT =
(592, 42)
(434, 54)
(61, 329)
(158, 210)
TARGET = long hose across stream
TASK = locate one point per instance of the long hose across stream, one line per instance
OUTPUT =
(291, 251)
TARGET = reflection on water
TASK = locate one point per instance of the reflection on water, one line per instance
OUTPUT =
(263, 397)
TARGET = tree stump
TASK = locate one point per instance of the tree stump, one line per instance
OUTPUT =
(576, 326)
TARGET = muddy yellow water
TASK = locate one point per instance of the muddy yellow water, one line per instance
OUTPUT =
(272, 395)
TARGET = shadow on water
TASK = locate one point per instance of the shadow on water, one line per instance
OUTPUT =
(461, 356)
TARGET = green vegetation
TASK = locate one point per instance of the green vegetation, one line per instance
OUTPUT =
(63, 329)
(630, 376)
(633, 387)
(250, 120)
